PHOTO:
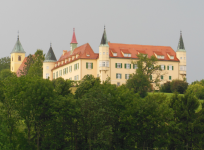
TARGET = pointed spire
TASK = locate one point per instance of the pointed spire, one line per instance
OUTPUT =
(74, 37)
(104, 40)
(18, 48)
(50, 57)
(181, 43)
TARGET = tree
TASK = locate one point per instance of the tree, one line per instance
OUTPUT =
(61, 86)
(29, 62)
(196, 89)
(5, 73)
(87, 83)
(5, 63)
(179, 86)
(36, 68)
(182, 132)
(141, 81)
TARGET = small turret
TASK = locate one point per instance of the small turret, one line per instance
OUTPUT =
(73, 43)
(49, 64)
(181, 55)
(17, 56)
(104, 70)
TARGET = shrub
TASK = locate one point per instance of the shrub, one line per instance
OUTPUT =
(166, 87)
(179, 86)
(196, 89)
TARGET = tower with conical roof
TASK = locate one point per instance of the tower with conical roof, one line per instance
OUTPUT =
(49, 64)
(17, 56)
(104, 70)
(181, 55)
(73, 43)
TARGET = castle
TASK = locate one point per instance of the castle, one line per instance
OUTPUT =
(112, 60)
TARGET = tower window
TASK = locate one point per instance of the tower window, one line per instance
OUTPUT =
(180, 57)
(47, 67)
(103, 53)
(47, 75)
(12, 58)
(19, 58)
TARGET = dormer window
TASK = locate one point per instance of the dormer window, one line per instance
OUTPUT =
(55, 65)
(58, 63)
(87, 55)
(65, 60)
(62, 62)
(127, 55)
(77, 56)
(160, 57)
(114, 54)
(69, 59)
(171, 57)
(73, 57)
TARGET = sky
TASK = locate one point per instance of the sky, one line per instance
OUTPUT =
(144, 22)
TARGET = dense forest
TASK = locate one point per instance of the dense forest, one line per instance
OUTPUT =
(40, 114)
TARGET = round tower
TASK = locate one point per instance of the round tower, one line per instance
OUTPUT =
(181, 55)
(17, 56)
(49, 64)
(104, 70)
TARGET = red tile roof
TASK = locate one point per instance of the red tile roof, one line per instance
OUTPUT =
(82, 51)
(144, 49)
(18, 73)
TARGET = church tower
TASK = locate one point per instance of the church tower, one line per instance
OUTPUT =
(181, 55)
(104, 70)
(49, 64)
(73, 43)
(17, 56)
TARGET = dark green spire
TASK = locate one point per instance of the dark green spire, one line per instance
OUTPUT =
(181, 44)
(50, 57)
(104, 40)
(18, 48)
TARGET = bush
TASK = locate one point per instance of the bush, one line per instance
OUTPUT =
(166, 87)
(179, 86)
(197, 90)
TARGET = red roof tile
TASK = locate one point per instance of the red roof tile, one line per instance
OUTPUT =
(18, 72)
(82, 51)
(144, 49)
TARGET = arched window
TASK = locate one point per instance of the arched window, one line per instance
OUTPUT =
(19, 58)
(12, 58)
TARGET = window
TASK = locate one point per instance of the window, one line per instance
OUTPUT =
(118, 76)
(12, 68)
(107, 53)
(125, 55)
(171, 57)
(76, 66)
(118, 65)
(162, 67)
(183, 68)
(53, 75)
(162, 77)
(134, 66)
(66, 70)
(100, 53)
(19, 58)
(128, 66)
(70, 68)
(70, 78)
(170, 67)
(129, 55)
(87, 55)
(160, 57)
(57, 74)
(12, 58)
(180, 57)
(47, 67)
(103, 53)
(89, 65)
(169, 77)
(118, 83)
(76, 77)
(47, 75)
(184, 58)
(107, 63)
(104, 64)
(60, 73)
(127, 76)
(97, 75)
(114, 54)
